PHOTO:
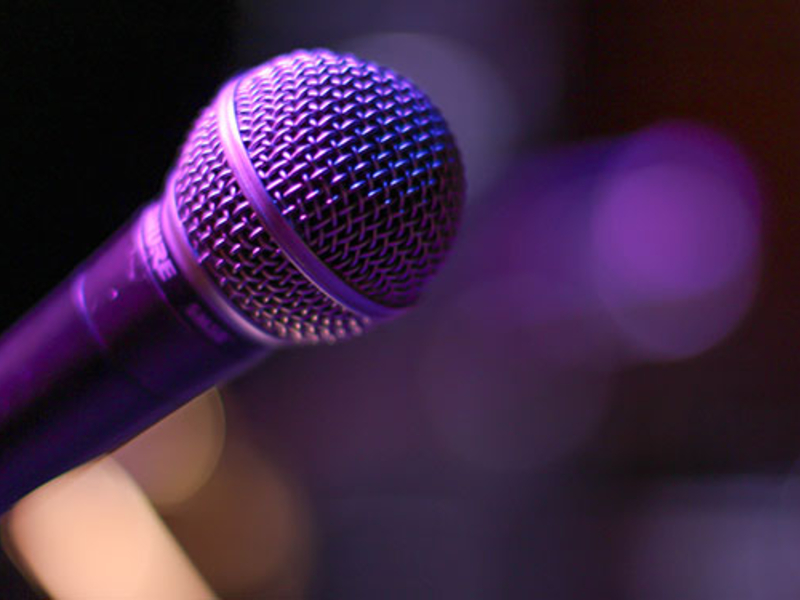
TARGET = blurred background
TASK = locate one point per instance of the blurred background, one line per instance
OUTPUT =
(599, 396)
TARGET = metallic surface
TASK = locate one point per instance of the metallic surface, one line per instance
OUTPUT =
(279, 228)
(186, 262)
(359, 164)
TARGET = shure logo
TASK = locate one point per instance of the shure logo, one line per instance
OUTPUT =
(157, 251)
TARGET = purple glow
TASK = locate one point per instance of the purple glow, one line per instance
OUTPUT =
(710, 540)
(675, 238)
(673, 230)
(505, 394)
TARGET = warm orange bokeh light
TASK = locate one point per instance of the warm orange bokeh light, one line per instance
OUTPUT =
(92, 534)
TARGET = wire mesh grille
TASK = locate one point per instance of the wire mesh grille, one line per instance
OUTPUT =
(359, 163)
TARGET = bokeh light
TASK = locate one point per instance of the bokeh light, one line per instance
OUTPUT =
(248, 528)
(92, 535)
(676, 237)
(174, 458)
(774, 570)
(495, 396)
(710, 539)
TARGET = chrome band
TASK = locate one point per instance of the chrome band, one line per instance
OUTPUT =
(189, 266)
(281, 231)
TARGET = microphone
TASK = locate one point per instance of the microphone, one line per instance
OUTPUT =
(312, 199)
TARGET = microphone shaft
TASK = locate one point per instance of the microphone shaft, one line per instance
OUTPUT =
(123, 342)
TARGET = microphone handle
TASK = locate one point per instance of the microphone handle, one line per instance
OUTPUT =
(124, 341)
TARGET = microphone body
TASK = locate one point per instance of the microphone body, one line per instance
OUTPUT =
(124, 341)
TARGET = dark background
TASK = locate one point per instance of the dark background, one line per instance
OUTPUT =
(99, 97)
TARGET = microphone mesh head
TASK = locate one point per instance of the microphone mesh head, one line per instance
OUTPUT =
(358, 162)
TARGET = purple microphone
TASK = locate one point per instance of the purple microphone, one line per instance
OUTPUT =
(313, 198)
